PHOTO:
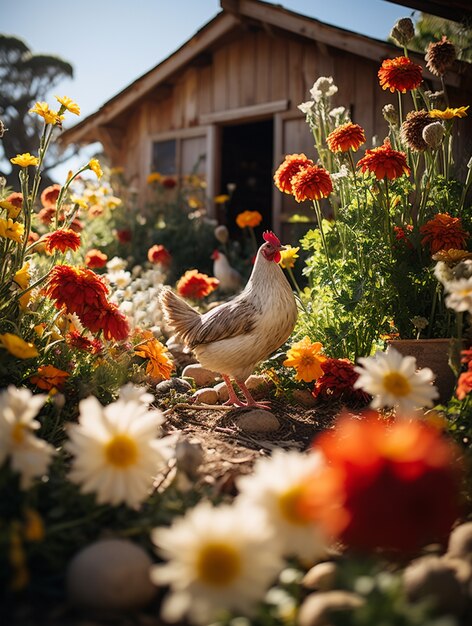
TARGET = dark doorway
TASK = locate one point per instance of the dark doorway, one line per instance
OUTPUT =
(246, 173)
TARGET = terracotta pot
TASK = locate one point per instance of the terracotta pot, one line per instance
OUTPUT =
(432, 353)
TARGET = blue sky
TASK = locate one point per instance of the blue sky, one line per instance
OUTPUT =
(110, 43)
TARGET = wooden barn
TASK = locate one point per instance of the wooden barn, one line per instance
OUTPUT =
(225, 103)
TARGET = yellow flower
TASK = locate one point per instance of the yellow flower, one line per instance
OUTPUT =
(449, 113)
(18, 346)
(50, 117)
(25, 160)
(154, 177)
(68, 104)
(113, 202)
(94, 165)
(288, 256)
(159, 365)
(34, 527)
(305, 357)
(83, 204)
(221, 199)
(12, 210)
(11, 230)
(248, 218)
(22, 278)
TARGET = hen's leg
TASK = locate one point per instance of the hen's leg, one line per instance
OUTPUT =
(233, 398)
(249, 398)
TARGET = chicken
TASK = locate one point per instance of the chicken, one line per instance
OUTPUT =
(235, 336)
(230, 279)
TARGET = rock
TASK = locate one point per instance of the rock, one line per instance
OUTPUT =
(304, 397)
(436, 580)
(201, 376)
(460, 542)
(177, 384)
(110, 575)
(257, 421)
(189, 456)
(259, 385)
(316, 608)
(207, 395)
(321, 576)
(222, 391)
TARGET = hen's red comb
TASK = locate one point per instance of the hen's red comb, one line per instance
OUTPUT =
(271, 238)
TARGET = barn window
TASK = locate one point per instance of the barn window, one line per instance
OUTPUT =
(164, 157)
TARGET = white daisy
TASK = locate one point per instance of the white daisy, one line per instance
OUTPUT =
(218, 559)
(394, 381)
(130, 392)
(276, 485)
(116, 264)
(116, 451)
(29, 455)
(459, 294)
(120, 278)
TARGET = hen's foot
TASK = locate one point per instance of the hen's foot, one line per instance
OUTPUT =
(250, 400)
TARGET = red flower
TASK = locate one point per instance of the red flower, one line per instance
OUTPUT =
(62, 239)
(349, 136)
(286, 171)
(50, 195)
(107, 318)
(400, 74)
(159, 255)
(76, 225)
(76, 289)
(15, 198)
(401, 235)
(169, 183)
(46, 215)
(95, 259)
(195, 285)
(444, 232)
(76, 340)
(124, 235)
(385, 485)
(338, 381)
(311, 183)
(384, 162)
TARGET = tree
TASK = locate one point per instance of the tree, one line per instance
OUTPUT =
(430, 28)
(26, 78)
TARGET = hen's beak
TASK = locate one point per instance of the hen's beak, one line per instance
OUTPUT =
(282, 247)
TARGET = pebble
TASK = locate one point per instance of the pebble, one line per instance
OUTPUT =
(257, 421)
(315, 609)
(178, 384)
(259, 385)
(222, 391)
(207, 395)
(304, 397)
(110, 575)
(321, 576)
(201, 376)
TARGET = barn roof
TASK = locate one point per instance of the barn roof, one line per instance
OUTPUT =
(234, 14)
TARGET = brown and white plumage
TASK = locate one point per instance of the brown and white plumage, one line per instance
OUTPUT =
(234, 337)
(230, 279)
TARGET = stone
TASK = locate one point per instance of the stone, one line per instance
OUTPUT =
(315, 609)
(177, 384)
(201, 376)
(257, 421)
(222, 391)
(304, 397)
(460, 542)
(110, 575)
(259, 385)
(321, 576)
(207, 395)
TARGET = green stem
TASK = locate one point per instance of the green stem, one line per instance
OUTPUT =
(319, 218)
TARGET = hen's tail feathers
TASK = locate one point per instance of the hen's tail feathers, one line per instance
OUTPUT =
(178, 314)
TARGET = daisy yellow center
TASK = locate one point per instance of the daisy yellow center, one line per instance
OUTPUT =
(289, 505)
(396, 384)
(18, 433)
(121, 451)
(218, 564)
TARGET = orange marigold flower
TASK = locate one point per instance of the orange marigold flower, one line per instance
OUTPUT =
(46, 215)
(159, 364)
(292, 164)
(76, 289)
(400, 74)
(385, 485)
(444, 232)
(159, 255)
(248, 218)
(62, 240)
(338, 381)
(311, 183)
(384, 162)
(94, 259)
(49, 378)
(79, 341)
(306, 358)
(50, 195)
(464, 384)
(108, 319)
(15, 199)
(195, 285)
(346, 137)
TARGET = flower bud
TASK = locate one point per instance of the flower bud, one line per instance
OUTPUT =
(221, 233)
(403, 31)
(433, 135)
(390, 114)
